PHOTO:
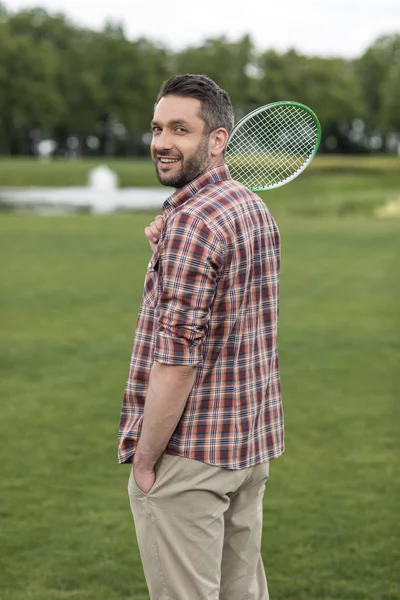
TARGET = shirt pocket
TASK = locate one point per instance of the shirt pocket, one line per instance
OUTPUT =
(151, 281)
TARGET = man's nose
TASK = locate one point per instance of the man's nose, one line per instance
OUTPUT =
(163, 141)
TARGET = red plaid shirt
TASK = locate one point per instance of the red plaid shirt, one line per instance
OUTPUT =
(210, 300)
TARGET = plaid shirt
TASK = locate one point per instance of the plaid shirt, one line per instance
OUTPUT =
(210, 300)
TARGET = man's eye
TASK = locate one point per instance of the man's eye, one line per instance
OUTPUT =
(180, 130)
(155, 129)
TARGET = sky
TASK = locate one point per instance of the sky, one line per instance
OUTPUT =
(313, 27)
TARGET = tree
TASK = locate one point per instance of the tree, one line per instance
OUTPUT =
(390, 99)
(378, 64)
(29, 96)
(61, 80)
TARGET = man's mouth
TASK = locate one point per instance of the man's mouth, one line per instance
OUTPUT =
(167, 160)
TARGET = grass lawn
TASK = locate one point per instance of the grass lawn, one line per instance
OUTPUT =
(29, 172)
(70, 292)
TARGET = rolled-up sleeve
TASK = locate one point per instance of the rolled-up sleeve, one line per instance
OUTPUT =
(192, 260)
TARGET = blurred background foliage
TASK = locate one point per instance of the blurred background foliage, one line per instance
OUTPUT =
(92, 92)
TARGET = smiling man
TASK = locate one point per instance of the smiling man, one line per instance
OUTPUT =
(202, 412)
(180, 147)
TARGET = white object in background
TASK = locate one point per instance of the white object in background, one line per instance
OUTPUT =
(104, 181)
(45, 148)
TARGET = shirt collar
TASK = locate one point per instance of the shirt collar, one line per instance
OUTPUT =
(181, 195)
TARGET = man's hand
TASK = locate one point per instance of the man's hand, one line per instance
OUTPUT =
(153, 232)
(144, 478)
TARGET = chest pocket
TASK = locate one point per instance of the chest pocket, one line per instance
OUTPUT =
(151, 281)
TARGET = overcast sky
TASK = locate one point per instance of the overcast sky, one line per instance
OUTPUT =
(320, 27)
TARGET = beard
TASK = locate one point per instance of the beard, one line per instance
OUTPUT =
(191, 167)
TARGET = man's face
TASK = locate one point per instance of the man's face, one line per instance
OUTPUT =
(180, 148)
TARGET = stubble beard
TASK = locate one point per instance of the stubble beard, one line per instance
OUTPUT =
(191, 168)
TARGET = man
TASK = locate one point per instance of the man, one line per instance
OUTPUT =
(202, 413)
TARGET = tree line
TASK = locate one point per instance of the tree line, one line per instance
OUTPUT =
(92, 92)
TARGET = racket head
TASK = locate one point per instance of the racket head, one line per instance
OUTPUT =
(272, 145)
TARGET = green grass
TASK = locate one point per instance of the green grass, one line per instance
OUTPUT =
(29, 172)
(70, 293)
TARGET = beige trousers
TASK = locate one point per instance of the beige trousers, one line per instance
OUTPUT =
(199, 531)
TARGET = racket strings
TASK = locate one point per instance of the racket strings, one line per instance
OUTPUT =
(272, 146)
(272, 142)
(282, 162)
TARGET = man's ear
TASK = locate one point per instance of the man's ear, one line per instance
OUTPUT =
(218, 139)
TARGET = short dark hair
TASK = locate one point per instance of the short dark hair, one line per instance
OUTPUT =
(216, 107)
